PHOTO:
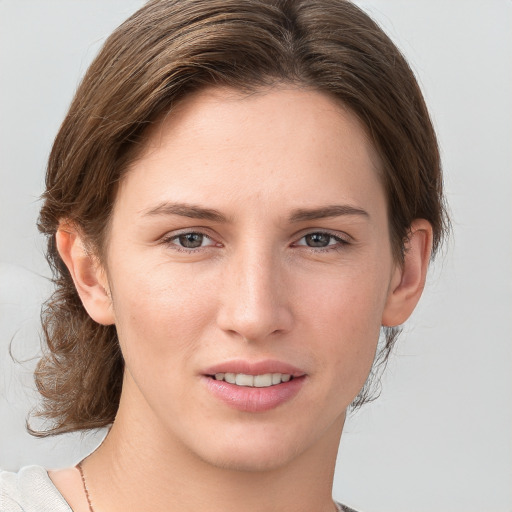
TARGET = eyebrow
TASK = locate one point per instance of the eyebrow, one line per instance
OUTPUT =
(304, 214)
(186, 210)
(299, 215)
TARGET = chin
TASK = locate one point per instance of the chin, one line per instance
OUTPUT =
(263, 449)
(250, 460)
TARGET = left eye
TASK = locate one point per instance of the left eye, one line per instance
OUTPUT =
(320, 240)
(191, 240)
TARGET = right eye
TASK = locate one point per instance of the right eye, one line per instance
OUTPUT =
(189, 241)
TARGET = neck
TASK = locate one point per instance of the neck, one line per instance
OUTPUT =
(140, 466)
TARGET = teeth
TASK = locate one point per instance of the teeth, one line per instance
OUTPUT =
(263, 381)
(254, 381)
(229, 377)
(276, 378)
(244, 380)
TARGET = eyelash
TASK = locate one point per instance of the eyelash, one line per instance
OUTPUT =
(340, 242)
(169, 240)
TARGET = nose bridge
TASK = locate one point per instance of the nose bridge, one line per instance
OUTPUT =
(254, 302)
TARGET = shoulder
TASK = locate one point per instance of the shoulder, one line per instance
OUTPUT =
(30, 490)
(344, 508)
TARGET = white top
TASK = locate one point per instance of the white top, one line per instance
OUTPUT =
(31, 490)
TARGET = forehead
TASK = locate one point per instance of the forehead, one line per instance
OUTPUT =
(281, 143)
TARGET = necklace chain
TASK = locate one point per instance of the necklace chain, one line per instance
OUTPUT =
(86, 490)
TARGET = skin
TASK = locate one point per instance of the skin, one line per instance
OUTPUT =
(253, 290)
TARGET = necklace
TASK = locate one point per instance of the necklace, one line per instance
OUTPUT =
(79, 466)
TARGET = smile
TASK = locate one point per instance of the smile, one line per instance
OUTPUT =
(254, 386)
(253, 381)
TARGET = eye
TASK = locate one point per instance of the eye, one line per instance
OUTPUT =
(190, 240)
(321, 240)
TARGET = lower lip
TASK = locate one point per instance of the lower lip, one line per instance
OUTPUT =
(249, 399)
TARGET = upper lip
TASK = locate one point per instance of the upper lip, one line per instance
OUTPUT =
(254, 368)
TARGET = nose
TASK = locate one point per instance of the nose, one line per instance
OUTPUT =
(254, 301)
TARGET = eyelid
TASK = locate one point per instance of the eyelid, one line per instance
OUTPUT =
(168, 239)
(342, 237)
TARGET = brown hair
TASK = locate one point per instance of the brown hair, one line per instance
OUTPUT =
(160, 55)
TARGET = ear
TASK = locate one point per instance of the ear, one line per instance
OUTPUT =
(409, 278)
(88, 275)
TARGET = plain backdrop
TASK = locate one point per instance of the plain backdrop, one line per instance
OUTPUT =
(440, 436)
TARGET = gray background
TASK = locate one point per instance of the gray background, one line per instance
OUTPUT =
(439, 438)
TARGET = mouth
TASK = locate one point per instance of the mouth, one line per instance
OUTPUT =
(264, 380)
(254, 387)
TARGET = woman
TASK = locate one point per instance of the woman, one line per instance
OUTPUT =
(241, 197)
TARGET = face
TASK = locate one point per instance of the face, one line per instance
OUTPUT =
(249, 265)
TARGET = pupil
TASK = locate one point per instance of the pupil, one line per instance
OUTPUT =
(318, 240)
(191, 240)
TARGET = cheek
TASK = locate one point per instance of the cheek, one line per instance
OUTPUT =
(159, 314)
(345, 316)
(349, 299)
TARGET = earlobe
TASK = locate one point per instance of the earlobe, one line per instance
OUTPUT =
(408, 280)
(87, 274)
